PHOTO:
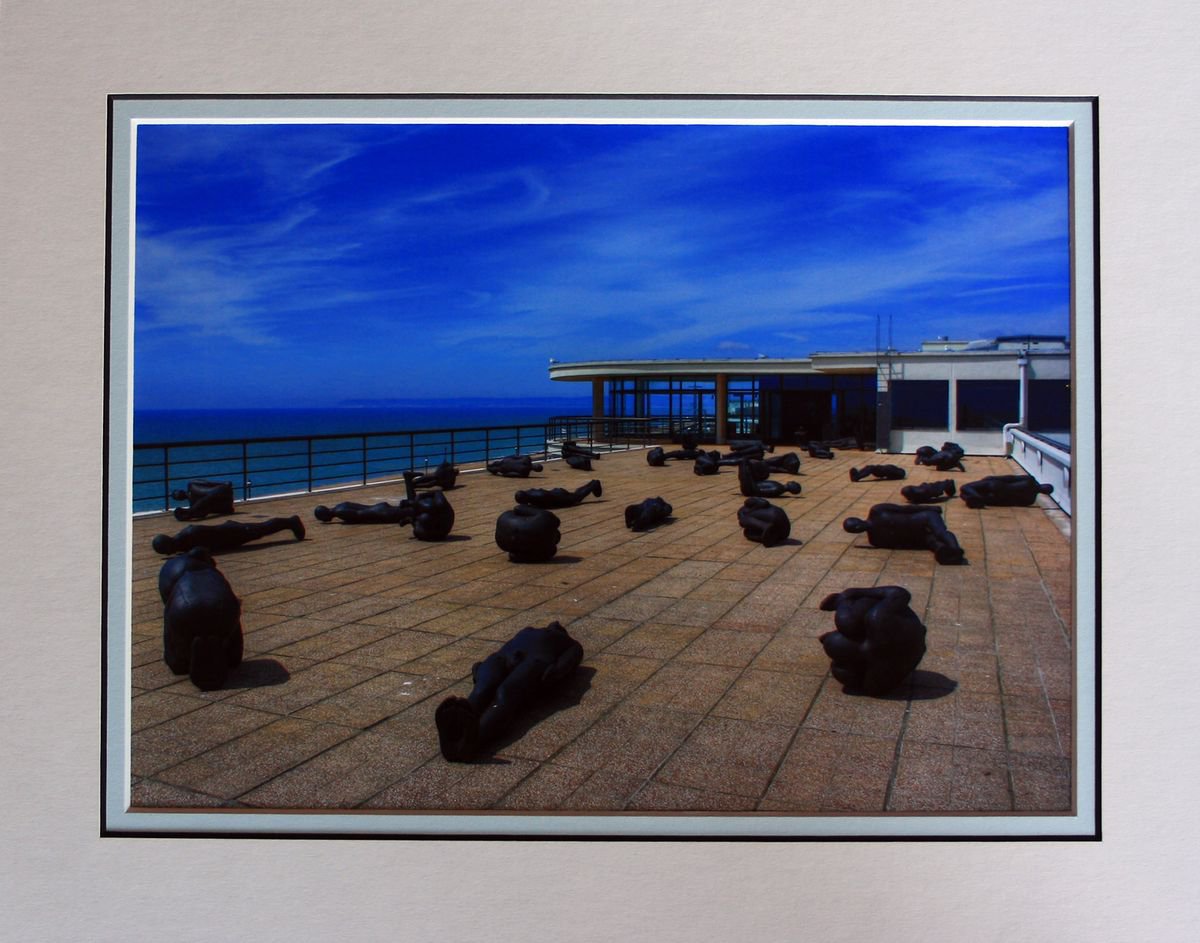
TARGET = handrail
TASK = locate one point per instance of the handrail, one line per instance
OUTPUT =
(1045, 461)
(274, 465)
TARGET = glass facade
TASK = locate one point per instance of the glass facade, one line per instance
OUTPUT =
(1049, 406)
(987, 405)
(920, 404)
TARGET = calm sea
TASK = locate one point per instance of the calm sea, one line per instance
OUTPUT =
(183, 425)
(265, 468)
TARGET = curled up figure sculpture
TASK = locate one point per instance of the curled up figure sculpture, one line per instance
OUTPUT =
(883, 472)
(878, 640)
(528, 534)
(647, 514)
(929, 492)
(202, 619)
(763, 489)
(763, 522)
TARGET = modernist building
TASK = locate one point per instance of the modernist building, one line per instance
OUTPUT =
(963, 391)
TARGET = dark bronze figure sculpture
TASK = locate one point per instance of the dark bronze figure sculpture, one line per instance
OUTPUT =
(707, 463)
(878, 640)
(202, 619)
(514, 466)
(763, 522)
(763, 489)
(227, 536)
(558, 497)
(929, 492)
(570, 447)
(1006, 491)
(908, 527)
(529, 534)
(788, 463)
(442, 477)
(650, 513)
(580, 462)
(528, 666)
(749, 446)
(656, 457)
(883, 472)
(817, 450)
(204, 498)
(948, 457)
(430, 515)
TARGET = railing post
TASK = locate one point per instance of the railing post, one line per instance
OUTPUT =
(364, 458)
(245, 472)
(309, 460)
(166, 478)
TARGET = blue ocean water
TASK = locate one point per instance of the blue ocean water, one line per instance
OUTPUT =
(182, 425)
(361, 443)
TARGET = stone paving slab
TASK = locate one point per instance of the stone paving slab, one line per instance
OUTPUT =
(703, 686)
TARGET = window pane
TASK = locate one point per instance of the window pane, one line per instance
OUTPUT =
(920, 404)
(987, 404)
(1049, 406)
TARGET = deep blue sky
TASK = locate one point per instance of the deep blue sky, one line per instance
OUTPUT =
(305, 265)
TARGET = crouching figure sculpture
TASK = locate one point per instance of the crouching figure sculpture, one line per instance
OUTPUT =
(526, 668)
(763, 522)
(202, 619)
(908, 527)
(947, 458)
(514, 466)
(227, 536)
(528, 534)
(650, 513)
(1004, 491)
(204, 498)
(878, 640)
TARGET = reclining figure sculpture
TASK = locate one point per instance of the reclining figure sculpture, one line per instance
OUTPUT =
(878, 640)
(929, 492)
(788, 463)
(558, 497)
(656, 457)
(527, 667)
(1005, 491)
(202, 619)
(204, 498)
(430, 515)
(226, 536)
(442, 477)
(514, 466)
(579, 462)
(570, 447)
(883, 472)
(908, 527)
(763, 522)
(529, 534)
(763, 489)
(948, 457)
(817, 450)
(748, 446)
(650, 513)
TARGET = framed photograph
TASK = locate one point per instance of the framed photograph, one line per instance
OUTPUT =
(692, 467)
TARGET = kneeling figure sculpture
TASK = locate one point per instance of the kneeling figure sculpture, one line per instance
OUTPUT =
(529, 534)
(202, 619)
(763, 522)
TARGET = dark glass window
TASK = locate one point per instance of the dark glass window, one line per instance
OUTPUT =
(920, 404)
(1049, 407)
(987, 404)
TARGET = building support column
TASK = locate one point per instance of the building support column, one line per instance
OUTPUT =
(597, 407)
(1023, 386)
(722, 406)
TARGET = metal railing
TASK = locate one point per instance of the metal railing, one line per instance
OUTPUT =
(265, 467)
(1046, 461)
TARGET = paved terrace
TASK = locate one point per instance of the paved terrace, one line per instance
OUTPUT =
(703, 686)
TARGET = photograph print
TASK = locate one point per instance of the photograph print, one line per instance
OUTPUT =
(624, 467)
